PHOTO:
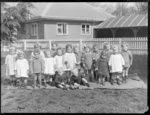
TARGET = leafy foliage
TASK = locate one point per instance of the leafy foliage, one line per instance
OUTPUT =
(12, 20)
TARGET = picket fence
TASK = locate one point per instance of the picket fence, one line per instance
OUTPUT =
(137, 45)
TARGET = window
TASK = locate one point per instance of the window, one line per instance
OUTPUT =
(85, 29)
(34, 29)
(62, 29)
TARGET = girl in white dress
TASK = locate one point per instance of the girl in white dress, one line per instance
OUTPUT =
(49, 63)
(22, 69)
(10, 65)
(116, 64)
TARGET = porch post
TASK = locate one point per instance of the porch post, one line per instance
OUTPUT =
(135, 30)
(113, 32)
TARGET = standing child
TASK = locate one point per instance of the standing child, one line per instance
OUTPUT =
(37, 68)
(127, 55)
(88, 61)
(22, 69)
(49, 63)
(54, 49)
(78, 54)
(103, 68)
(95, 54)
(10, 65)
(116, 64)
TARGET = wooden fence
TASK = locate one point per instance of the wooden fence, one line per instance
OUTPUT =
(136, 45)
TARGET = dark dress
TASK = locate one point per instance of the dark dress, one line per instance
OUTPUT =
(102, 63)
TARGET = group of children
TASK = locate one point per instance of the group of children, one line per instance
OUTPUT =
(70, 68)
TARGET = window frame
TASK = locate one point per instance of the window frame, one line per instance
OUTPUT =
(33, 33)
(85, 31)
(62, 23)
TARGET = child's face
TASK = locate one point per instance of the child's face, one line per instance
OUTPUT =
(69, 49)
(12, 51)
(108, 47)
(87, 49)
(115, 49)
(48, 54)
(76, 50)
(59, 52)
(95, 48)
(21, 56)
(54, 46)
(125, 48)
(37, 55)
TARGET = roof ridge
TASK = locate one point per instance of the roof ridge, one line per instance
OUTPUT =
(46, 8)
(94, 8)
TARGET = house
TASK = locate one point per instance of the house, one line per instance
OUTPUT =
(64, 20)
(123, 26)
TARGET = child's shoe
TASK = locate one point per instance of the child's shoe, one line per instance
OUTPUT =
(87, 84)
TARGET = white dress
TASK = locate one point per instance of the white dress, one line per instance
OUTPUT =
(22, 68)
(116, 62)
(10, 65)
(70, 58)
(59, 62)
(49, 64)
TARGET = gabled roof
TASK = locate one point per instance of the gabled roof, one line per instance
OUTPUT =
(125, 21)
(69, 10)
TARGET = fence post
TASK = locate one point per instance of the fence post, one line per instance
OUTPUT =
(81, 45)
(120, 42)
(25, 45)
(50, 44)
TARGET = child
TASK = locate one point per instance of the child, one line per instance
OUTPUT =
(49, 63)
(95, 52)
(54, 49)
(37, 68)
(127, 55)
(88, 61)
(103, 68)
(78, 54)
(69, 61)
(60, 77)
(10, 65)
(116, 64)
(37, 48)
(22, 69)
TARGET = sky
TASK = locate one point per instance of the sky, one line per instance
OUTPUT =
(108, 6)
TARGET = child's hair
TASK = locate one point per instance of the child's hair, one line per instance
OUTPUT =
(37, 52)
(87, 47)
(68, 45)
(54, 44)
(124, 44)
(20, 52)
(12, 49)
(105, 44)
(59, 48)
(47, 51)
(94, 45)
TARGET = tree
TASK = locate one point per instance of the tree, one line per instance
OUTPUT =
(12, 20)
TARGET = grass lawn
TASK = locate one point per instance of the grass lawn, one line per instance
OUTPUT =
(74, 101)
